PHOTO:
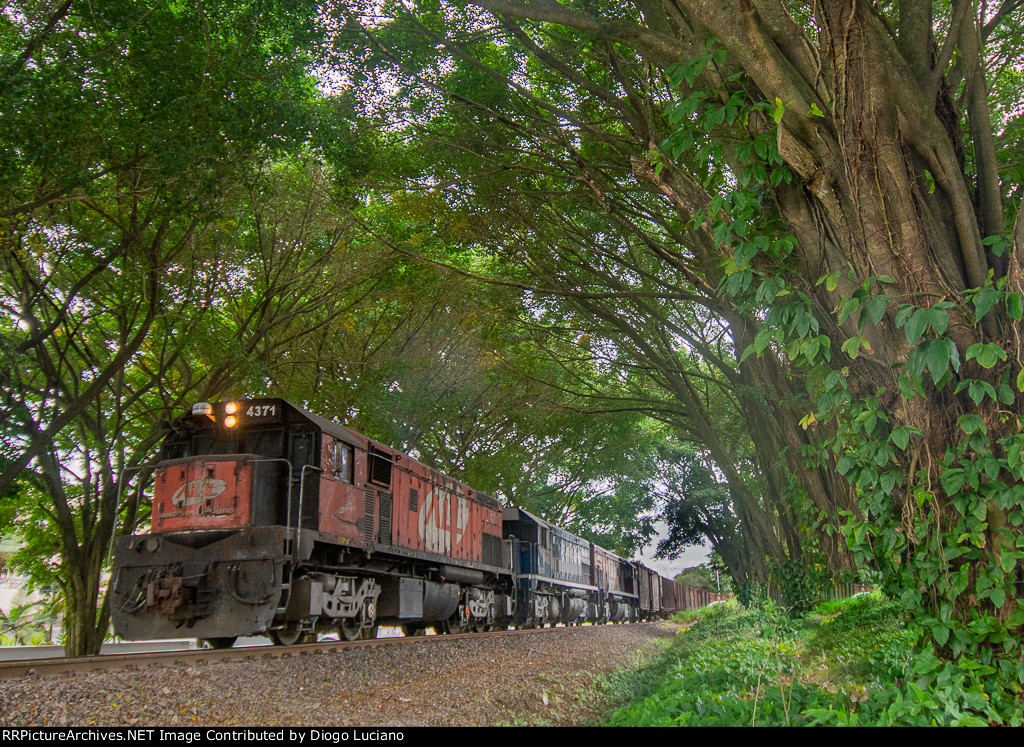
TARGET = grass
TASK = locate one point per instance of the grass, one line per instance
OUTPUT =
(847, 663)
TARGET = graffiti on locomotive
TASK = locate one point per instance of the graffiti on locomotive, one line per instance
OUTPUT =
(443, 518)
(195, 492)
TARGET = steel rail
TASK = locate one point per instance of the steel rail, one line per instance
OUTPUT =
(36, 667)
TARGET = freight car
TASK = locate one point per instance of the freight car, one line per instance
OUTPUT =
(268, 519)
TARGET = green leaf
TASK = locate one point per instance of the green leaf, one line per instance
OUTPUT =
(938, 357)
(915, 326)
(904, 314)
(986, 353)
(1007, 561)
(780, 110)
(852, 346)
(1014, 306)
(888, 482)
(984, 301)
(938, 317)
(971, 423)
(952, 480)
(961, 579)
(900, 436)
(831, 280)
(916, 363)
(875, 308)
(998, 244)
(762, 340)
(846, 308)
(810, 348)
(979, 389)
(844, 464)
(953, 354)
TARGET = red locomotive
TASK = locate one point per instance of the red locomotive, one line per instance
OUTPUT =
(268, 519)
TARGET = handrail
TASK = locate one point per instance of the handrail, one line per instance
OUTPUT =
(117, 502)
(302, 495)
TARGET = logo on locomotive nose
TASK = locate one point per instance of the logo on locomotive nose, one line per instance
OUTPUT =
(195, 492)
(440, 530)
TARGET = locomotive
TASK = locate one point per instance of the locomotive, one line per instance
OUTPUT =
(271, 520)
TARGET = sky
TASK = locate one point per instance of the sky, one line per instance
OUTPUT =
(691, 556)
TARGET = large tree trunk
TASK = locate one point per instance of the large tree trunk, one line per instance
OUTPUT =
(85, 622)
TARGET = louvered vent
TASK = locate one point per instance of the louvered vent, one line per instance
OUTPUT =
(385, 518)
(414, 499)
(380, 468)
(368, 515)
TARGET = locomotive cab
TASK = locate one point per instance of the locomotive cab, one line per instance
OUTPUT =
(236, 464)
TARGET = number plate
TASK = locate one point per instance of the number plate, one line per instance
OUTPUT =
(263, 411)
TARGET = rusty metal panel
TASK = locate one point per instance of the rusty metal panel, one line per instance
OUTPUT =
(437, 515)
(643, 588)
(650, 589)
(211, 492)
(342, 507)
(609, 571)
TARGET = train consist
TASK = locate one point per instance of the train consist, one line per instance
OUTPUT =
(270, 520)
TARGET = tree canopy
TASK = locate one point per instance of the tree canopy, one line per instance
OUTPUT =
(756, 260)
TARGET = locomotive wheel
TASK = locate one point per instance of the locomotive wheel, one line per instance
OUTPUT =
(349, 629)
(291, 635)
(478, 627)
(225, 642)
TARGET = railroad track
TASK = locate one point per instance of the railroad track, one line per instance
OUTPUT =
(108, 662)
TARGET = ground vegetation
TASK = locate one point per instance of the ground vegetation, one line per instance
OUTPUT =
(847, 663)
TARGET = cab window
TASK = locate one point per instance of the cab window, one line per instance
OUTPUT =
(343, 462)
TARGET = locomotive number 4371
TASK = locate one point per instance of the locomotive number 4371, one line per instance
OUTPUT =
(261, 411)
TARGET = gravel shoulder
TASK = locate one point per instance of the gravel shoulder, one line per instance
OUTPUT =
(545, 678)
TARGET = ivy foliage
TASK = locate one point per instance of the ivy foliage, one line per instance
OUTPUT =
(944, 528)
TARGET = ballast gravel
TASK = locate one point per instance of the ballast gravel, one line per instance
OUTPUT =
(543, 678)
